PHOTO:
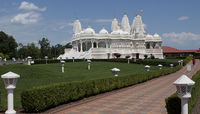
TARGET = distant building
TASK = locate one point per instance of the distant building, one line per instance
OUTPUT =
(124, 40)
(173, 52)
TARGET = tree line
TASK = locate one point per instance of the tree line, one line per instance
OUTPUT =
(9, 48)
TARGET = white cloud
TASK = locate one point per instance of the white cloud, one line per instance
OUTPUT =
(3, 10)
(183, 18)
(30, 6)
(180, 38)
(103, 20)
(26, 18)
(62, 27)
(144, 25)
(70, 24)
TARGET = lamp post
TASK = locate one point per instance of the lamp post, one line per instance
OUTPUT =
(46, 59)
(182, 62)
(88, 61)
(10, 80)
(62, 63)
(171, 65)
(73, 59)
(179, 62)
(128, 60)
(159, 66)
(147, 67)
(184, 88)
(60, 59)
(115, 71)
(29, 60)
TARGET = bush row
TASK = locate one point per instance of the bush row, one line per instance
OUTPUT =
(154, 62)
(182, 57)
(173, 103)
(186, 60)
(38, 99)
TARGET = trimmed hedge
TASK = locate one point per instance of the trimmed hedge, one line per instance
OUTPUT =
(150, 62)
(186, 60)
(173, 103)
(38, 99)
(182, 57)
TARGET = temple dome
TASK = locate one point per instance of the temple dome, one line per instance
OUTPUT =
(117, 31)
(89, 30)
(149, 36)
(103, 31)
(156, 35)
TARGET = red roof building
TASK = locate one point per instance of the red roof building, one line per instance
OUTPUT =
(173, 52)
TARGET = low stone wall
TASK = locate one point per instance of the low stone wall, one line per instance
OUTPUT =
(13, 62)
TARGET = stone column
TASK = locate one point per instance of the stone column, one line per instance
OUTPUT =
(81, 45)
(151, 45)
(159, 43)
(92, 41)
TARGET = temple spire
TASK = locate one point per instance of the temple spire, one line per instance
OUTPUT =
(114, 15)
(124, 11)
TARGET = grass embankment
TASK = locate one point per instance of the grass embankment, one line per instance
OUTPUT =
(45, 74)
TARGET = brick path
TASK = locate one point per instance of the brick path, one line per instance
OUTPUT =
(144, 98)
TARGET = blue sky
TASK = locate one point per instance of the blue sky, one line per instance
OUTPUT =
(177, 22)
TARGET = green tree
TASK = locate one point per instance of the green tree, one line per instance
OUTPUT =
(45, 48)
(8, 45)
(33, 51)
(22, 51)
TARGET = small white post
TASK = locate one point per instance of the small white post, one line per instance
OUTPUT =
(115, 71)
(147, 67)
(63, 63)
(128, 60)
(73, 59)
(29, 60)
(184, 88)
(10, 80)
(159, 66)
(88, 61)
(171, 65)
(182, 62)
(46, 59)
(179, 62)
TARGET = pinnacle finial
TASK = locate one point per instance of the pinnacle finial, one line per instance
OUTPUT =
(114, 15)
(124, 11)
(138, 13)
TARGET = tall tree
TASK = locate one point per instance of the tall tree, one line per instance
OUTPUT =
(8, 45)
(22, 51)
(45, 47)
(33, 50)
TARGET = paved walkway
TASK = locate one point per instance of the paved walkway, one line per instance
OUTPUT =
(144, 98)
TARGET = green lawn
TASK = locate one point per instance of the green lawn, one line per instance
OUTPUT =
(45, 74)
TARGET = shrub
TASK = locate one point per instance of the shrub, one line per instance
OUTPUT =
(173, 103)
(38, 99)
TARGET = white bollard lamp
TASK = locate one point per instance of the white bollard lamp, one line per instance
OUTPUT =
(46, 59)
(29, 60)
(73, 59)
(182, 62)
(171, 65)
(88, 61)
(115, 71)
(128, 60)
(147, 67)
(10, 80)
(159, 66)
(63, 64)
(184, 88)
(179, 62)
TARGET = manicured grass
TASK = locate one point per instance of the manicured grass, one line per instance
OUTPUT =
(45, 74)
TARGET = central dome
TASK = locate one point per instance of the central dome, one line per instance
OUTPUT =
(89, 30)
(103, 31)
